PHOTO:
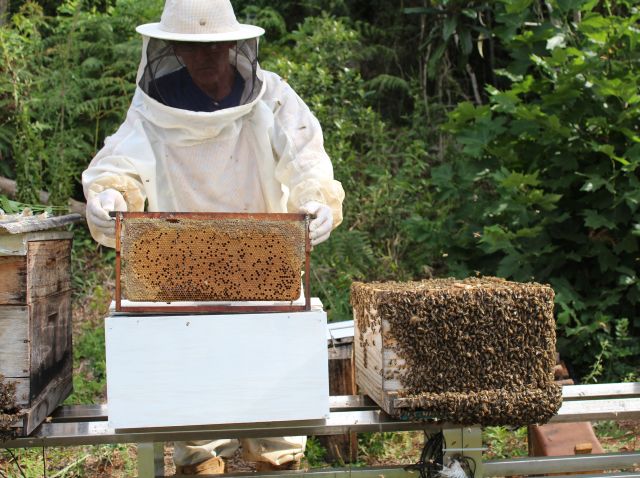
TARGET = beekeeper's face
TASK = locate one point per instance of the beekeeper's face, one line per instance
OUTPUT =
(204, 61)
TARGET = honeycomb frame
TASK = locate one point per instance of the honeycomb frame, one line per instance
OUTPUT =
(215, 257)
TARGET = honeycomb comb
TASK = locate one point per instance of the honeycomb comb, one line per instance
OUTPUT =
(207, 257)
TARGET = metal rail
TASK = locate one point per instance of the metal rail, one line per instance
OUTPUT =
(400, 472)
(564, 464)
(87, 425)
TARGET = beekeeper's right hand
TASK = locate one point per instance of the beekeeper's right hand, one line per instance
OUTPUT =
(98, 209)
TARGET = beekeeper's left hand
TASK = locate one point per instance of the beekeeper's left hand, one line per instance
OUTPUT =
(321, 225)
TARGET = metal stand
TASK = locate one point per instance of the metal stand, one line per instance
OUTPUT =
(150, 460)
(87, 425)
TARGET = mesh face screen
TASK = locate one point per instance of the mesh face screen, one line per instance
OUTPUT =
(186, 259)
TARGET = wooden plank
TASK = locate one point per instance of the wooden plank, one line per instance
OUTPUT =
(22, 390)
(211, 215)
(37, 223)
(48, 268)
(206, 369)
(17, 244)
(368, 356)
(13, 280)
(167, 308)
(14, 341)
(49, 398)
(556, 439)
(342, 381)
(393, 369)
(175, 307)
(601, 390)
(12, 246)
(50, 331)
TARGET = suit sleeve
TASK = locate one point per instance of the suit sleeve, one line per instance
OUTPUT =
(303, 164)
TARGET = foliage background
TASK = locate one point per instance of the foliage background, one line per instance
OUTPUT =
(471, 137)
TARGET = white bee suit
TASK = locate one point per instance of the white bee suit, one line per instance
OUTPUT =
(263, 156)
(266, 155)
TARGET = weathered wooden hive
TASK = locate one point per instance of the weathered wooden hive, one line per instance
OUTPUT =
(35, 318)
(473, 351)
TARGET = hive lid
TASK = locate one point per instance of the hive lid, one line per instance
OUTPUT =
(20, 224)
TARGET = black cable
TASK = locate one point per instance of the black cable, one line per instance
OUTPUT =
(15, 460)
(44, 463)
(467, 463)
(431, 456)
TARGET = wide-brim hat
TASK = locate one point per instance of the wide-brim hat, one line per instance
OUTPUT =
(199, 21)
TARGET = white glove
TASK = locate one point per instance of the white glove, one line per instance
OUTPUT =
(320, 227)
(98, 209)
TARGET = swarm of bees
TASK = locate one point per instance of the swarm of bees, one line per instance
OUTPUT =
(8, 409)
(211, 260)
(472, 351)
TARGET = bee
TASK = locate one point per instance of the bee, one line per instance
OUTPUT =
(477, 351)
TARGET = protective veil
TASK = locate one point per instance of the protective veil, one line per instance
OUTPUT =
(264, 155)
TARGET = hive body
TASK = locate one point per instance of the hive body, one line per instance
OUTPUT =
(476, 351)
(35, 321)
(190, 257)
(184, 370)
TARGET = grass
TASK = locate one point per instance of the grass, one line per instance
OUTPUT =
(373, 449)
(70, 462)
(618, 436)
(503, 442)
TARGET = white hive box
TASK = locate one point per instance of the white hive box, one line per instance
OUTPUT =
(185, 370)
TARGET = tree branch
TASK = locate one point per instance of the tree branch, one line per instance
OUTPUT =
(9, 187)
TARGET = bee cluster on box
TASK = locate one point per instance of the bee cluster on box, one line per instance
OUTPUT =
(472, 351)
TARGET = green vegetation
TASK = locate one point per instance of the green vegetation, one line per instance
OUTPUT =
(501, 442)
(497, 138)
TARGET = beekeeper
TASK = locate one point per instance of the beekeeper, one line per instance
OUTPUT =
(208, 130)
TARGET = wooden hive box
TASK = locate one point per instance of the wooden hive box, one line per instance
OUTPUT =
(476, 351)
(199, 369)
(35, 319)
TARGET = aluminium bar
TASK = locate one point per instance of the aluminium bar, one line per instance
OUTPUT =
(150, 459)
(588, 410)
(572, 410)
(561, 464)
(347, 472)
(387, 471)
(620, 474)
(96, 412)
(601, 390)
(98, 432)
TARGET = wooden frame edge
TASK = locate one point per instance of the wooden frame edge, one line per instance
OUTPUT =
(219, 308)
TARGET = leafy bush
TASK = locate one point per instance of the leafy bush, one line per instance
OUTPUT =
(544, 182)
(536, 178)
(66, 84)
(381, 169)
